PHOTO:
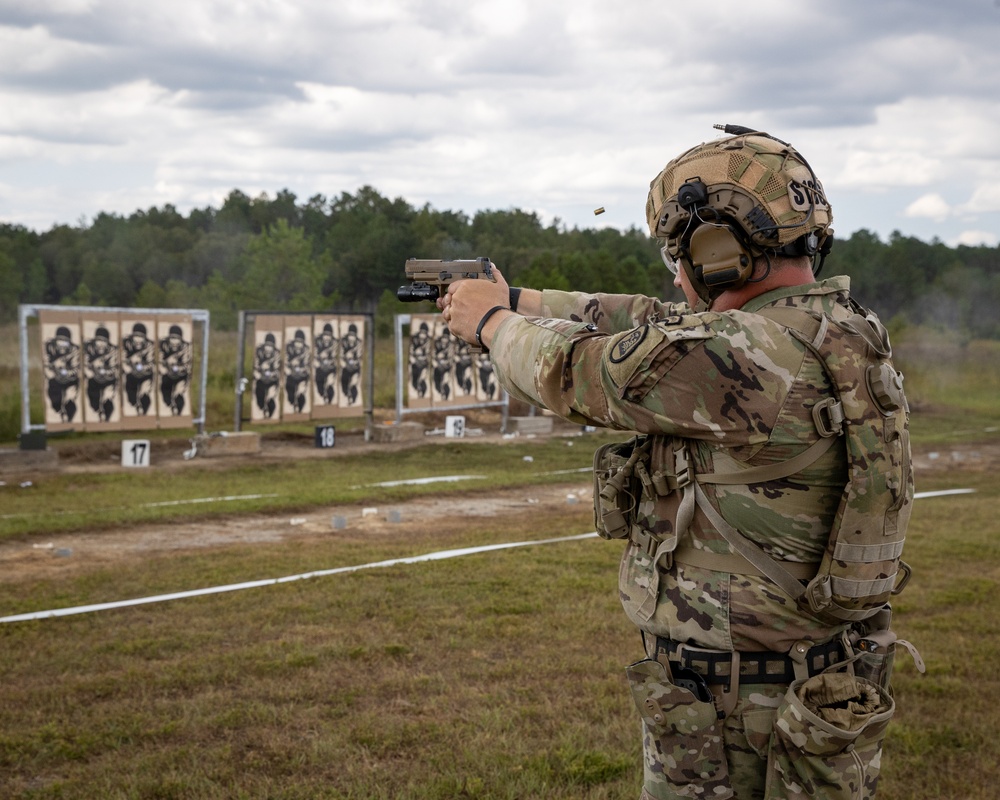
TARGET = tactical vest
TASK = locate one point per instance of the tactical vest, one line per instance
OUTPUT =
(860, 569)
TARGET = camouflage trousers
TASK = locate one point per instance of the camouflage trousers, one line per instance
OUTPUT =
(772, 746)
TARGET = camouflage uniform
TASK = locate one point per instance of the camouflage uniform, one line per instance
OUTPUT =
(734, 389)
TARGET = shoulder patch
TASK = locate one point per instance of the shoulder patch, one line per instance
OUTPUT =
(627, 351)
(626, 345)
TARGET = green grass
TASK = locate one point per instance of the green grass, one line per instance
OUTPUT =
(941, 371)
(942, 743)
(952, 388)
(403, 682)
(65, 502)
(496, 675)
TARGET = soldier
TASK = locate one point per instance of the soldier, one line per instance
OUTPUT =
(266, 374)
(351, 350)
(137, 364)
(297, 372)
(62, 373)
(771, 425)
(325, 349)
(175, 369)
(101, 368)
(420, 359)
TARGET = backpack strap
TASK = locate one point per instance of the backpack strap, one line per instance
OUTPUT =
(747, 557)
(692, 556)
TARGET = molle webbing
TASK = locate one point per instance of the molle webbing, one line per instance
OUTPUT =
(860, 568)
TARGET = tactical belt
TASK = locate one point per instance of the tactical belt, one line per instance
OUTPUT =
(763, 666)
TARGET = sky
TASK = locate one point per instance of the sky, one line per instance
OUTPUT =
(549, 106)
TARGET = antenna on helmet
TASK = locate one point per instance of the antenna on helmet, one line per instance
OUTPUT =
(741, 130)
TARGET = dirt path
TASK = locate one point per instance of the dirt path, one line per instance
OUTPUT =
(63, 554)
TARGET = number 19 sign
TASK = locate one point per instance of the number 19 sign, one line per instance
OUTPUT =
(135, 452)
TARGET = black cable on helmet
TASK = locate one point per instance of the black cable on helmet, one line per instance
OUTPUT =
(741, 130)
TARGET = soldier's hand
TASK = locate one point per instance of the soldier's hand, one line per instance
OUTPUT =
(467, 302)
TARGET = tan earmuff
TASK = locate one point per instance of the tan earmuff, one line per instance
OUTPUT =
(718, 257)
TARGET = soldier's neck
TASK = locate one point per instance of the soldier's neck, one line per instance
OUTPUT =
(788, 275)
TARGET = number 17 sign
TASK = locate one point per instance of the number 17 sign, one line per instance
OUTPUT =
(135, 452)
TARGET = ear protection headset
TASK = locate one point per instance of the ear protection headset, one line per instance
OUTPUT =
(717, 251)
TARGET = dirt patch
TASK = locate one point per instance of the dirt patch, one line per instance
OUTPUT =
(417, 519)
(968, 457)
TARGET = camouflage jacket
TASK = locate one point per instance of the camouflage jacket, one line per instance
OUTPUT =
(735, 389)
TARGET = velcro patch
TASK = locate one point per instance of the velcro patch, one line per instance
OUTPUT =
(806, 195)
(623, 348)
(628, 350)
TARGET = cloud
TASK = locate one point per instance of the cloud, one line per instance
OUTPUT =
(985, 198)
(977, 238)
(930, 206)
(557, 107)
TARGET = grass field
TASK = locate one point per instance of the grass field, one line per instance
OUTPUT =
(111, 499)
(494, 675)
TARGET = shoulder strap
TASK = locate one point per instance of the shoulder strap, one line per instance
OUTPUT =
(751, 551)
(807, 323)
(747, 557)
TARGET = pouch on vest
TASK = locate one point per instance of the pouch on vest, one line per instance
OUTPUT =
(827, 739)
(615, 493)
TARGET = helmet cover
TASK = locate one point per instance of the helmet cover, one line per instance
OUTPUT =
(759, 184)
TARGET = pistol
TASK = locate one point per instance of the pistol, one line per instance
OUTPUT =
(429, 279)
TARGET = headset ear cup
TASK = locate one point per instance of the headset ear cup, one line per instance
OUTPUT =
(720, 257)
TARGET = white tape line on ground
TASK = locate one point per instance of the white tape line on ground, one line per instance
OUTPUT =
(567, 471)
(943, 493)
(435, 556)
(233, 587)
(423, 481)
(447, 478)
(226, 499)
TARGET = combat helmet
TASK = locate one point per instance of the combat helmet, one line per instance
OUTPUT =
(725, 202)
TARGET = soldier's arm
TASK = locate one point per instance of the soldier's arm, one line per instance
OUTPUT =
(609, 312)
(654, 378)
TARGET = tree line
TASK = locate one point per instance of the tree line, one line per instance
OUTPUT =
(346, 254)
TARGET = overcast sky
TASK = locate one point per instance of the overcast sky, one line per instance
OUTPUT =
(553, 106)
